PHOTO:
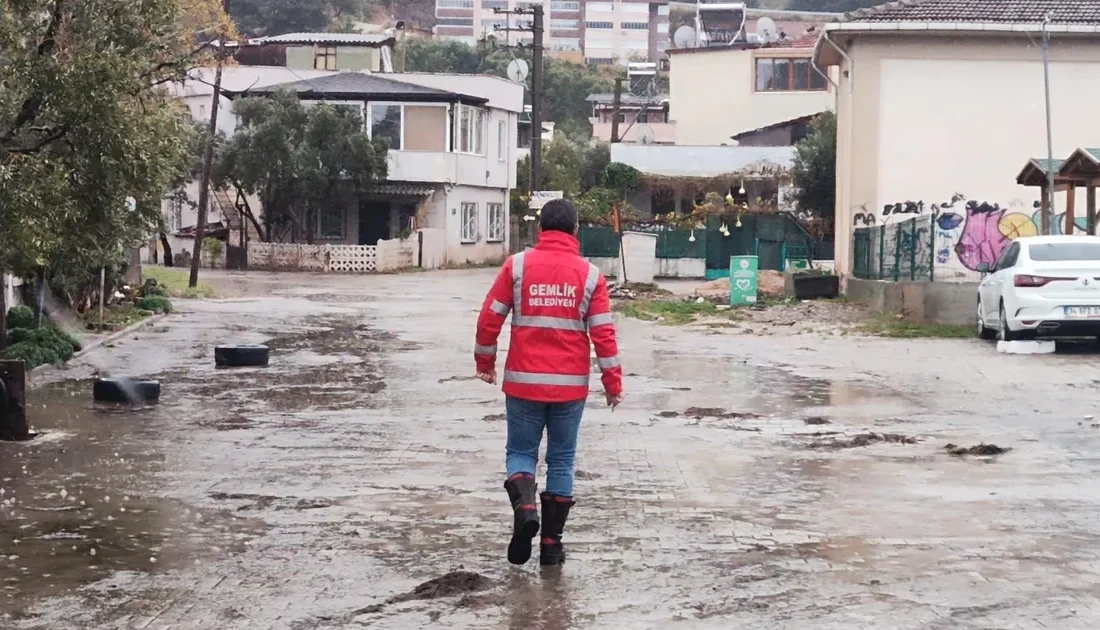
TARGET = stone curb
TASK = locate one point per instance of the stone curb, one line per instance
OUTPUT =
(95, 345)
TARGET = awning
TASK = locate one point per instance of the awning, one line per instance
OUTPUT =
(400, 189)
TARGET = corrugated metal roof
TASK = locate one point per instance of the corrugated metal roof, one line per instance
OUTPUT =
(783, 123)
(324, 38)
(402, 189)
(627, 99)
(359, 84)
(679, 160)
(997, 11)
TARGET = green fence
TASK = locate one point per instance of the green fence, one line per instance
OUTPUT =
(898, 251)
(598, 242)
(601, 242)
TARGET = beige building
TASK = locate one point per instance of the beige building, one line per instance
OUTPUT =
(939, 104)
(721, 91)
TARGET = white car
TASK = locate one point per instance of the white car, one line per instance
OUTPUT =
(1042, 286)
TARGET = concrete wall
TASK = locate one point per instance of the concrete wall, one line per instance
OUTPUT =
(480, 251)
(941, 127)
(952, 303)
(712, 95)
(11, 286)
(662, 267)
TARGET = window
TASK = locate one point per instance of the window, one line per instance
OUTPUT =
(597, 24)
(494, 4)
(174, 216)
(643, 117)
(469, 223)
(456, 21)
(330, 224)
(565, 43)
(471, 130)
(502, 140)
(636, 26)
(565, 25)
(634, 7)
(454, 4)
(324, 58)
(497, 223)
(386, 122)
(600, 6)
(1049, 252)
(788, 75)
(560, 5)
(662, 9)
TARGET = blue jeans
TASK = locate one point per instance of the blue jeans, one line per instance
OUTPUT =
(526, 421)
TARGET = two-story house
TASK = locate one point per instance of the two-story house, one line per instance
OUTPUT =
(452, 159)
(319, 51)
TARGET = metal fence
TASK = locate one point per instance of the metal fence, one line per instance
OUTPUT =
(898, 251)
(602, 242)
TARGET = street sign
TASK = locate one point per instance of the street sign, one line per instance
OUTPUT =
(540, 197)
(743, 277)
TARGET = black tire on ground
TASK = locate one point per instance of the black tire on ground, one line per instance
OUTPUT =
(241, 356)
(1006, 333)
(125, 390)
(983, 331)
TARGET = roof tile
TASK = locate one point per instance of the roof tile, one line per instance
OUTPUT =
(998, 11)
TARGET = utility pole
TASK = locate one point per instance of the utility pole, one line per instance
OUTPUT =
(536, 27)
(1047, 209)
(616, 105)
(536, 100)
(208, 161)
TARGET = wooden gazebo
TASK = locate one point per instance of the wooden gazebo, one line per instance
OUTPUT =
(1081, 169)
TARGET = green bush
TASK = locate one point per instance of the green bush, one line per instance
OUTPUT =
(20, 317)
(32, 354)
(55, 341)
(155, 303)
(19, 335)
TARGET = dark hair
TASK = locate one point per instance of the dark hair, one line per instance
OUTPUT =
(560, 215)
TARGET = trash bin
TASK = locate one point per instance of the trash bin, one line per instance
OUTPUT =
(743, 280)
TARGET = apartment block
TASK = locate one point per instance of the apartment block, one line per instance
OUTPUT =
(576, 30)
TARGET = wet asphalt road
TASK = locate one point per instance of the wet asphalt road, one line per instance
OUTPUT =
(365, 461)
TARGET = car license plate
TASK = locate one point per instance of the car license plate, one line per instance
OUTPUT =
(1083, 312)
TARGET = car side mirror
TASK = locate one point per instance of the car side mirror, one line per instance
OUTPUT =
(983, 268)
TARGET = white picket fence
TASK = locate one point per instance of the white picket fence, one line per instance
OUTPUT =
(386, 256)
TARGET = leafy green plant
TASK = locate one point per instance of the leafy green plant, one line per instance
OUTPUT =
(155, 304)
(21, 317)
(212, 248)
(32, 354)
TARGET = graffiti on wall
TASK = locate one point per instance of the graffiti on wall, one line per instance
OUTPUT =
(971, 232)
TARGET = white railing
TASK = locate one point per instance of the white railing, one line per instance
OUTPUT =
(386, 256)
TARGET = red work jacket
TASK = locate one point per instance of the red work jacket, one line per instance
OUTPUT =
(558, 300)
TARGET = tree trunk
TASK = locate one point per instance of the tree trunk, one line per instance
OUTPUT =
(168, 262)
(3, 311)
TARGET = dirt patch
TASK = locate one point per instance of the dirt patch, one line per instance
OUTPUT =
(448, 585)
(495, 417)
(584, 475)
(861, 440)
(481, 600)
(816, 420)
(698, 413)
(981, 449)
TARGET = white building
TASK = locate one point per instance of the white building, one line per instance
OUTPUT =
(452, 161)
(939, 105)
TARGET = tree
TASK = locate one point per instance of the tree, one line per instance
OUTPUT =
(85, 124)
(814, 171)
(298, 160)
(564, 103)
(277, 17)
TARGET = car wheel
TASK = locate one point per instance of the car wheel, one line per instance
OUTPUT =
(241, 356)
(984, 332)
(1006, 334)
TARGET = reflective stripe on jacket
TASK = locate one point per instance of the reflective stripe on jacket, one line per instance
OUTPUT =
(558, 301)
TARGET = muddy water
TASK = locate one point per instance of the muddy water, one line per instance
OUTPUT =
(82, 501)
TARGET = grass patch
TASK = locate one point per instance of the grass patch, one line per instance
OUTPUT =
(115, 318)
(673, 313)
(899, 328)
(174, 281)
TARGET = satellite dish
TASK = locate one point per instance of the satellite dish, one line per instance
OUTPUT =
(645, 134)
(767, 30)
(517, 70)
(684, 37)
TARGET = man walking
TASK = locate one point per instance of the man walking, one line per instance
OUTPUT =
(557, 300)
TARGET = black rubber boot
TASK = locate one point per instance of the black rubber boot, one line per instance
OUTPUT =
(555, 511)
(521, 491)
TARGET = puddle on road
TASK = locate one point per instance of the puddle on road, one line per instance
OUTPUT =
(80, 503)
(736, 387)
